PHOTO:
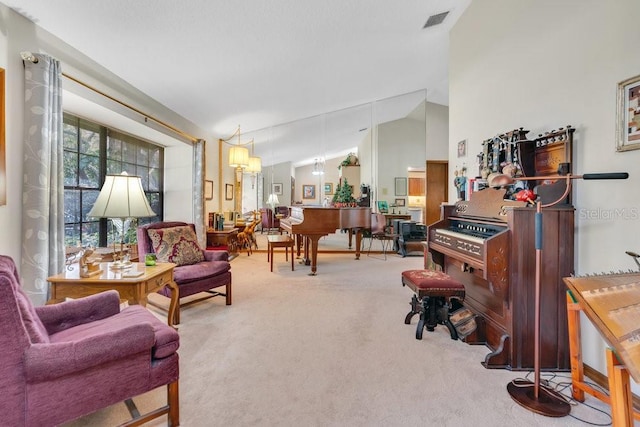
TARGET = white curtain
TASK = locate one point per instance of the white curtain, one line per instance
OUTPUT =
(198, 191)
(43, 178)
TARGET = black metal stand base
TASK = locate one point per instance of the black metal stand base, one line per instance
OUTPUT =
(548, 403)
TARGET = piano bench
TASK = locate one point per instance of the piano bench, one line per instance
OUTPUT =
(436, 296)
(280, 241)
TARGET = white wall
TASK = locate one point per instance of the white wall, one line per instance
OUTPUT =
(437, 122)
(278, 174)
(18, 34)
(401, 144)
(543, 64)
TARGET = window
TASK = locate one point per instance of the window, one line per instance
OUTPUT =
(92, 151)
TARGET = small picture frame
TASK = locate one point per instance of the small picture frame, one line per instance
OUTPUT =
(462, 148)
(228, 192)
(401, 186)
(400, 202)
(276, 188)
(383, 206)
(628, 115)
(328, 188)
(308, 191)
(208, 190)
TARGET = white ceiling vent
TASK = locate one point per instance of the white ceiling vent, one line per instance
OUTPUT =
(435, 19)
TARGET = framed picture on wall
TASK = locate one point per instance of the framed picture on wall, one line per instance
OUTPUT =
(228, 192)
(208, 190)
(276, 189)
(328, 188)
(399, 202)
(462, 148)
(308, 191)
(401, 186)
(383, 206)
(628, 115)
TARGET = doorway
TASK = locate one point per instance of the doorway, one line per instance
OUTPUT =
(437, 192)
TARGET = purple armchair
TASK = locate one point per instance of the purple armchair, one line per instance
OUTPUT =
(211, 271)
(63, 361)
(269, 221)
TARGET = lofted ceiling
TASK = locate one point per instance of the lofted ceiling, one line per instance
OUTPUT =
(220, 63)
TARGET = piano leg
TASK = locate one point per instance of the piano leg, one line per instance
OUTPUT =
(314, 253)
(298, 238)
(350, 237)
(305, 258)
(358, 242)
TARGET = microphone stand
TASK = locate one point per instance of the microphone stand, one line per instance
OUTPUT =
(533, 395)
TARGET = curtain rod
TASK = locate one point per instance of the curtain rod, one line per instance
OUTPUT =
(28, 56)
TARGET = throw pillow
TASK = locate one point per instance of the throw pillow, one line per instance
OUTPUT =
(176, 244)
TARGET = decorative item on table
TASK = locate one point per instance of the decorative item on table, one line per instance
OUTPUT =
(72, 255)
(526, 196)
(460, 182)
(89, 264)
(150, 259)
(121, 198)
(219, 222)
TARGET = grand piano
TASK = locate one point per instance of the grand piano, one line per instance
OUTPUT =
(488, 244)
(310, 223)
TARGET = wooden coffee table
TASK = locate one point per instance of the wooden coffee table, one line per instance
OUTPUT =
(133, 289)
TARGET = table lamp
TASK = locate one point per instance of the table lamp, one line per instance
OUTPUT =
(273, 200)
(122, 198)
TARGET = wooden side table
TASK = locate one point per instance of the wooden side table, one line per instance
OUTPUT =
(133, 289)
(279, 241)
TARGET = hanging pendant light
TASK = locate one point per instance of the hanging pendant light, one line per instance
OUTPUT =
(255, 163)
(318, 168)
(239, 155)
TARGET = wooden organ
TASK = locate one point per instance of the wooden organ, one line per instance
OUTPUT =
(488, 244)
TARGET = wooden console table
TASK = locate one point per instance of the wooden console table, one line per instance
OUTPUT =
(133, 289)
(226, 237)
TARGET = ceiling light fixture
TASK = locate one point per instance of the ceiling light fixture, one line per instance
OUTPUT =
(239, 155)
(318, 168)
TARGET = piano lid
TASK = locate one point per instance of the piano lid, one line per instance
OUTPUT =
(487, 204)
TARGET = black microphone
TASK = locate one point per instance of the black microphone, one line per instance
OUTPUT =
(610, 175)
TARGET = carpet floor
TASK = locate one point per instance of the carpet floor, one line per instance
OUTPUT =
(333, 350)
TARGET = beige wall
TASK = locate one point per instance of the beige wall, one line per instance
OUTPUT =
(18, 34)
(543, 64)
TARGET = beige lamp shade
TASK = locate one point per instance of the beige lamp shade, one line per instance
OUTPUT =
(121, 196)
(238, 157)
(273, 199)
(255, 165)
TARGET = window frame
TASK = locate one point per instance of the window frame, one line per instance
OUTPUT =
(79, 233)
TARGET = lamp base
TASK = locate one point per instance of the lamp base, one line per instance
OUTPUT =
(120, 265)
(548, 403)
